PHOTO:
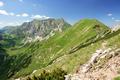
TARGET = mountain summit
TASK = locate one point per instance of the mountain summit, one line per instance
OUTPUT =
(37, 29)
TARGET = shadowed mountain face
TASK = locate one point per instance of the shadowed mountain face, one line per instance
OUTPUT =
(1, 36)
(2, 50)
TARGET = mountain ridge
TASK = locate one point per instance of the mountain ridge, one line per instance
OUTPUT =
(36, 29)
(67, 49)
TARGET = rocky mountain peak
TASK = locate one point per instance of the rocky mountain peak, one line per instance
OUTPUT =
(38, 29)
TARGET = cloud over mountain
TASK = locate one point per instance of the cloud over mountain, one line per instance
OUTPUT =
(39, 17)
(1, 3)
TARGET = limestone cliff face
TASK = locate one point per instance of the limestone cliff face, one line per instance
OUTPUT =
(37, 29)
(43, 27)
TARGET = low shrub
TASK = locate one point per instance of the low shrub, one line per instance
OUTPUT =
(56, 74)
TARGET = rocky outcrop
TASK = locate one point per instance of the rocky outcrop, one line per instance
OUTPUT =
(116, 27)
(103, 65)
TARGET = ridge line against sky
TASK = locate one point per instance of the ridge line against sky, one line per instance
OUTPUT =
(15, 12)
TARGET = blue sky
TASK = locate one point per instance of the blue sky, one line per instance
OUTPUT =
(15, 12)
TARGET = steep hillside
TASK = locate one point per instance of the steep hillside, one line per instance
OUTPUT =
(2, 50)
(92, 61)
(65, 49)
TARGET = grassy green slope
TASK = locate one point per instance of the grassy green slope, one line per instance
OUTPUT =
(54, 52)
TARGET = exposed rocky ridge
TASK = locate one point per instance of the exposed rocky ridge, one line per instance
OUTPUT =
(103, 65)
(37, 29)
(116, 27)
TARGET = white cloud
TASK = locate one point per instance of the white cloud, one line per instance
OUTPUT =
(24, 15)
(1, 4)
(117, 20)
(3, 12)
(109, 14)
(27, 21)
(21, 0)
(39, 17)
(11, 14)
(18, 15)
